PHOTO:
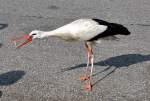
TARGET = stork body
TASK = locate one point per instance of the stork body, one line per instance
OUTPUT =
(85, 30)
(88, 30)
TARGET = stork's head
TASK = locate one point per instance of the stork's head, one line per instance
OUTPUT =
(27, 37)
(35, 34)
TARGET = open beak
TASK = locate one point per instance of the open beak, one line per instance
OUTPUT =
(25, 37)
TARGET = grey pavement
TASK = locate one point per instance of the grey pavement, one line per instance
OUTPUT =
(49, 69)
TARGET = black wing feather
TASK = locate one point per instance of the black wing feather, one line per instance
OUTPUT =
(112, 29)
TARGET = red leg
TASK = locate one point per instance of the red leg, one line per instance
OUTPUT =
(85, 77)
(88, 56)
(88, 85)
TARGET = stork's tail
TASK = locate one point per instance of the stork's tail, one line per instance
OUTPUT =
(120, 29)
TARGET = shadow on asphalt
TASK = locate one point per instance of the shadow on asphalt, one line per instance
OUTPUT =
(10, 77)
(0, 94)
(1, 45)
(2, 26)
(115, 62)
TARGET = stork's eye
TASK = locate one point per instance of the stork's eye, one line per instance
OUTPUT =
(33, 34)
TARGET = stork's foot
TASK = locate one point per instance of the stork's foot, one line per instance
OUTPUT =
(84, 77)
(88, 86)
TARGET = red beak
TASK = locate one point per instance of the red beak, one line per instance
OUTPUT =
(25, 37)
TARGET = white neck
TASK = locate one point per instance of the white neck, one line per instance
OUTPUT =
(48, 33)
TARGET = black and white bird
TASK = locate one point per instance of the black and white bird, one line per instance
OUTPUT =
(88, 30)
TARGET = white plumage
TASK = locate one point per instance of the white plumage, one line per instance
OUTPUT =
(82, 29)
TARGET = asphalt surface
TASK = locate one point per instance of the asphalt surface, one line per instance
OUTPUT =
(49, 69)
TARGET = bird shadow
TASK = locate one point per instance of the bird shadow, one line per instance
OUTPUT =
(11, 77)
(2, 26)
(117, 61)
(120, 61)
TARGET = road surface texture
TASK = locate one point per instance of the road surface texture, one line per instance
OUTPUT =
(49, 69)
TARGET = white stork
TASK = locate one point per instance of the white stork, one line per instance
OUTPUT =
(88, 30)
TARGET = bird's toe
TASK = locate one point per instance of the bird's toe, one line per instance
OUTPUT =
(84, 77)
(88, 87)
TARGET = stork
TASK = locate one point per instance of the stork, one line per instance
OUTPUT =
(88, 30)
